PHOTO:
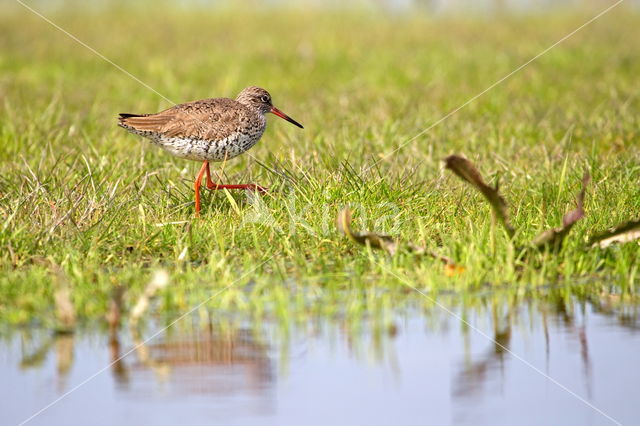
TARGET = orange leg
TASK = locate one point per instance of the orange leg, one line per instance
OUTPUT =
(196, 185)
(214, 186)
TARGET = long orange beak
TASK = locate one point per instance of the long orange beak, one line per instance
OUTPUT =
(281, 114)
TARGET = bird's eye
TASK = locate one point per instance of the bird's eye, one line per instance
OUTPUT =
(265, 99)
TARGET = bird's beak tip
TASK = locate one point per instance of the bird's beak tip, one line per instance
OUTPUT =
(284, 116)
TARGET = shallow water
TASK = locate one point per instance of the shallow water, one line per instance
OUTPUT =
(566, 364)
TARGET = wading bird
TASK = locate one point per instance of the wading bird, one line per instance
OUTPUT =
(209, 130)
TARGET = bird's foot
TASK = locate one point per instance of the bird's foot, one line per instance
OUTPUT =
(247, 186)
(257, 188)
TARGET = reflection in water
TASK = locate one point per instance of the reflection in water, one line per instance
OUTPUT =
(64, 358)
(206, 361)
(195, 361)
(479, 373)
(216, 364)
(118, 367)
(475, 373)
(63, 347)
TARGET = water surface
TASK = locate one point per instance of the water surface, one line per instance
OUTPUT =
(508, 366)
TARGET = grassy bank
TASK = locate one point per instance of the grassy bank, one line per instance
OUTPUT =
(109, 209)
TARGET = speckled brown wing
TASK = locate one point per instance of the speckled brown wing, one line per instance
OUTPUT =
(208, 119)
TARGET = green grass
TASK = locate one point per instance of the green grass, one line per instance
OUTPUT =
(78, 191)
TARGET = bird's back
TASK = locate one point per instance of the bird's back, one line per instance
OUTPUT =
(208, 119)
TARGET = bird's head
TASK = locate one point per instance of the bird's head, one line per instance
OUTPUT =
(260, 99)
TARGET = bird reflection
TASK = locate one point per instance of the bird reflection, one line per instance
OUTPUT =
(192, 361)
(201, 362)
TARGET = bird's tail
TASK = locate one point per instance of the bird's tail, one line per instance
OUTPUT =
(142, 122)
(123, 117)
(123, 120)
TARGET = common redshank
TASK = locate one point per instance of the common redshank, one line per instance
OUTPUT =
(209, 130)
